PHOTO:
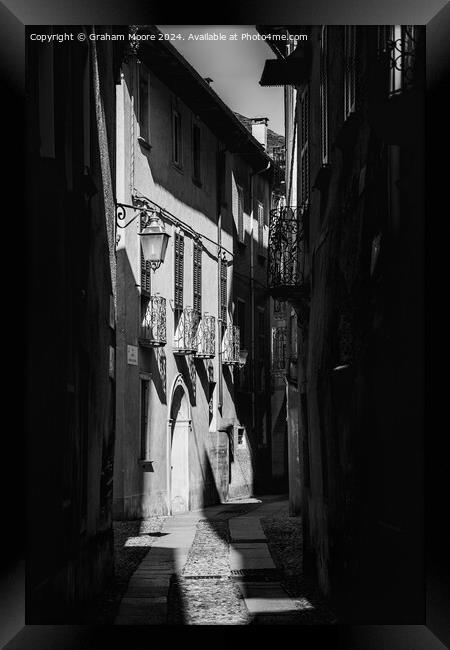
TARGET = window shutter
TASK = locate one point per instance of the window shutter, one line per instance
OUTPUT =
(197, 283)
(240, 214)
(179, 271)
(223, 290)
(145, 266)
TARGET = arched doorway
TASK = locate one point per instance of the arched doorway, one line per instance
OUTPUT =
(179, 428)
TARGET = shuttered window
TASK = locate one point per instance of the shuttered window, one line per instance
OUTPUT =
(197, 279)
(223, 290)
(145, 388)
(178, 271)
(349, 69)
(324, 94)
(240, 213)
(260, 227)
(304, 148)
(145, 266)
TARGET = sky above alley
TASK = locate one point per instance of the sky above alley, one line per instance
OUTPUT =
(235, 65)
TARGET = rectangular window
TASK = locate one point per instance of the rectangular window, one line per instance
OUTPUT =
(178, 274)
(261, 347)
(176, 138)
(196, 153)
(304, 148)
(197, 277)
(144, 104)
(349, 70)
(145, 266)
(324, 94)
(145, 389)
(260, 227)
(240, 213)
(240, 320)
(241, 436)
(223, 290)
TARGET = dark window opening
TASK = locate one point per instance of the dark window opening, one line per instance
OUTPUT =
(196, 153)
(176, 138)
(145, 389)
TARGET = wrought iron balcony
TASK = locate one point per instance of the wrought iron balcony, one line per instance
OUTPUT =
(231, 346)
(206, 337)
(286, 252)
(185, 337)
(153, 324)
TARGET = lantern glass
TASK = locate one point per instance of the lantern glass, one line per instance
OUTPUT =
(154, 241)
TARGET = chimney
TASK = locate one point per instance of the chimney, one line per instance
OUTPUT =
(259, 129)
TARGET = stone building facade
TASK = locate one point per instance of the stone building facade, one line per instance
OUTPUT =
(183, 439)
(71, 267)
(346, 255)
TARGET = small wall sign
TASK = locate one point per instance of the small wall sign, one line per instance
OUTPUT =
(132, 355)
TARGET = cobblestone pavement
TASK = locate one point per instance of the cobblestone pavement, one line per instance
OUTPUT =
(241, 565)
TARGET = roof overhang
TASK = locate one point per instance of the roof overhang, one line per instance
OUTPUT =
(178, 75)
(293, 70)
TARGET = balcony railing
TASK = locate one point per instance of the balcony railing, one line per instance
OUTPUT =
(185, 337)
(206, 337)
(231, 345)
(286, 251)
(153, 325)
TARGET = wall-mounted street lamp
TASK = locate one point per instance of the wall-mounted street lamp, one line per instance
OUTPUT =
(154, 238)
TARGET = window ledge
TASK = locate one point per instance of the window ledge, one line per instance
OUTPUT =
(177, 167)
(146, 464)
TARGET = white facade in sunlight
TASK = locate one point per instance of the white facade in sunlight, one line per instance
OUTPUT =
(181, 442)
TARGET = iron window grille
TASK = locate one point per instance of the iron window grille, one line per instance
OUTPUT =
(185, 336)
(324, 94)
(279, 346)
(349, 70)
(231, 345)
(397, 45)
(206, 337)
(286, 250)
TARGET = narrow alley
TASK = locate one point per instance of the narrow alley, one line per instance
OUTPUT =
(233, 564)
